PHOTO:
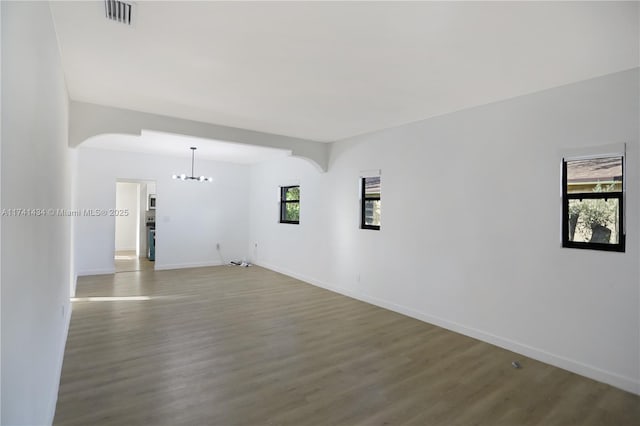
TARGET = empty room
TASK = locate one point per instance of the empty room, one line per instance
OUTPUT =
(315, 213)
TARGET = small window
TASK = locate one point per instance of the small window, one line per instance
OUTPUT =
(592, 202)
(370, 199)
(290, 204)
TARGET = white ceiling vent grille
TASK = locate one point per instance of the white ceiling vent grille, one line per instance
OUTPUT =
(118, 11)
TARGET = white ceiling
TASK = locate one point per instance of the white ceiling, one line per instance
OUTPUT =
(168, 144)
(327, 71)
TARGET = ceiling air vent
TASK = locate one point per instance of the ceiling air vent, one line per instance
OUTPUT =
(118, 11)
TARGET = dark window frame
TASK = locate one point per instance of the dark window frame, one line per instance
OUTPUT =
(618, 195)
(284, 202)
(363, 200)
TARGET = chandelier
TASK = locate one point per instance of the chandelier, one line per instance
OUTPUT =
(192, 177)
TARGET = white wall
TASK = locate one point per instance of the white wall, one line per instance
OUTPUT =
(127, 199)
(470, 236)
(191, 217)
(0, 226)
(73, 172)
(35, 175)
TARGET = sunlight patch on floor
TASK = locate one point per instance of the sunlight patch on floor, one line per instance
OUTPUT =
(109, 298)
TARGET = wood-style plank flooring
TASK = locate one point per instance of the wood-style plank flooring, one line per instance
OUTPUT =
(247, 346)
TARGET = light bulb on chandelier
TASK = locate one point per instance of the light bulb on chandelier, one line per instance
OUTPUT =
(192, 177)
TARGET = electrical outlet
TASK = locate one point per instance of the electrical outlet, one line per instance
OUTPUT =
(217, 246)
(358, 278)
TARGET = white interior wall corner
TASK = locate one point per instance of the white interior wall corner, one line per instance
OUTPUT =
(470, 238)
(35, 301)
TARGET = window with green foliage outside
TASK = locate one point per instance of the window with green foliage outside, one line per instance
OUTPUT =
(290, 204)
(593, 203)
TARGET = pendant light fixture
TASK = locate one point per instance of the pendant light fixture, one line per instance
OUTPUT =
(192, 177)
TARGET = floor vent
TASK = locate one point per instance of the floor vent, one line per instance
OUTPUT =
(118, 11)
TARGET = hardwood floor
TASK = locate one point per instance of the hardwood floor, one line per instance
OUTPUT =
(247, 346)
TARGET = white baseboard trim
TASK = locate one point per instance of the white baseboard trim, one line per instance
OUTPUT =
(595, 373)
(65, 334)
(168, 266)
(86, 272)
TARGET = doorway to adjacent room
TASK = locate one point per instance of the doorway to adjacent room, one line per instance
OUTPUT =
(134, 238)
